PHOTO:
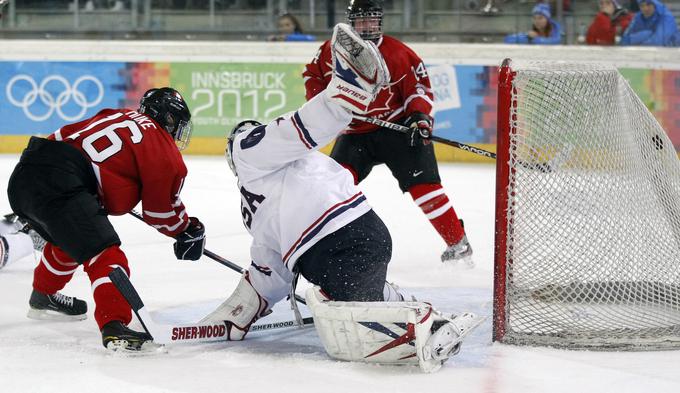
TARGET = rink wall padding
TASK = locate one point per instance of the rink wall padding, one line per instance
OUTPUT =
(225, 82)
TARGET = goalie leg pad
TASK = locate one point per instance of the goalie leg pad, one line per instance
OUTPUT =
(373, 332)
(240, 310)
(388, 332)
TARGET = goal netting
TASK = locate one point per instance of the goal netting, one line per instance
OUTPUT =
(587, 213)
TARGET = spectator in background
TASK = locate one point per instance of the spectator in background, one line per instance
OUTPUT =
(544, 31)
(654, 25)
(609, 24)
(290, 29)
(3, 3)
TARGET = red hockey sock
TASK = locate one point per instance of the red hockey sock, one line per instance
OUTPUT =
(54, 270)
(110, 305)
(436, 205)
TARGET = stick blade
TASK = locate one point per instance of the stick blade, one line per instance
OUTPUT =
(122, 282)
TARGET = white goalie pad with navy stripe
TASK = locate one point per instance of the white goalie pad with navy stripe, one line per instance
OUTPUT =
(373, 332)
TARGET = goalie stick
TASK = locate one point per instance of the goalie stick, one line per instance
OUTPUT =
(231, 265)
(545, 167)
(182, 333)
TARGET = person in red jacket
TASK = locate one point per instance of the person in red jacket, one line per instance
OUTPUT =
(609, 23)
(67, 184)
(408, 100)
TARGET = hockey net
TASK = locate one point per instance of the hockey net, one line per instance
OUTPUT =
(587, 213)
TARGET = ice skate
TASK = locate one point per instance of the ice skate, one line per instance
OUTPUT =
(38, 241)
(448, 337)
(117, 337)
(461, 251)
(23, 227)
(56, 307)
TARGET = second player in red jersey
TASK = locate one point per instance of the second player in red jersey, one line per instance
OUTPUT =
(407, 100)
(408, 92)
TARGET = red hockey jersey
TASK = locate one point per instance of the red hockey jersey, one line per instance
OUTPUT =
(409, 90)
(134, 160)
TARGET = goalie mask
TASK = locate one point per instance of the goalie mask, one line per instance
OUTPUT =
(245, 125)
(366, 16)
(167, 107)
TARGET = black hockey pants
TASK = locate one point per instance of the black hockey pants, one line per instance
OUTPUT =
(350, 264)
(53, 187)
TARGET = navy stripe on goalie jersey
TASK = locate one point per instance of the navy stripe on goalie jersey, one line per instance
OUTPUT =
(303, 133)
(330, 214)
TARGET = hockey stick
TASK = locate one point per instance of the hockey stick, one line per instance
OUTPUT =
(545, 167)
(231, 265)
(197, 332)
(404, 129)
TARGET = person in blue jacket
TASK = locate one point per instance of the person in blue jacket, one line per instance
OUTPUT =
(290, 29)
(544, 31)
(654, 25)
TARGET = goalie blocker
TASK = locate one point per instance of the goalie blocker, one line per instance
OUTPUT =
(388, 332)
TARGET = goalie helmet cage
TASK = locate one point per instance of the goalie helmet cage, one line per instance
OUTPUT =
(587, 247)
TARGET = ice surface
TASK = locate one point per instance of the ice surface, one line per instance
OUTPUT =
(68, 357)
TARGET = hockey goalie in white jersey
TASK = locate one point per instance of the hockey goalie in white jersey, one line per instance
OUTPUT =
(306, 216)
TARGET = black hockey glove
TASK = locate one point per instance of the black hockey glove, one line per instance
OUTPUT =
(189, 244)
(420, 125)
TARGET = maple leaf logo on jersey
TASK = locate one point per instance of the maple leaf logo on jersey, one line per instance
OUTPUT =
(385, 107)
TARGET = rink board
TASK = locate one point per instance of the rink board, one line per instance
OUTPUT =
(226, 82)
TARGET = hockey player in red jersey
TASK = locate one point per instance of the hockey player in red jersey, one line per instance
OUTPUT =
(66, 185)
(407, 100)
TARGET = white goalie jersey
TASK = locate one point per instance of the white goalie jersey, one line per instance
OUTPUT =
(292, 196)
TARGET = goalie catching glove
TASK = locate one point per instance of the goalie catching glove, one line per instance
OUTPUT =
(240, 311)
(359, 70)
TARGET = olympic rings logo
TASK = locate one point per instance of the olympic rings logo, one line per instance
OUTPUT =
(47, 97)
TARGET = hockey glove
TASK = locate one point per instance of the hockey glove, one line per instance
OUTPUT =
(240, 311)
(189, 244)
(359, 70)
(420, 126)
